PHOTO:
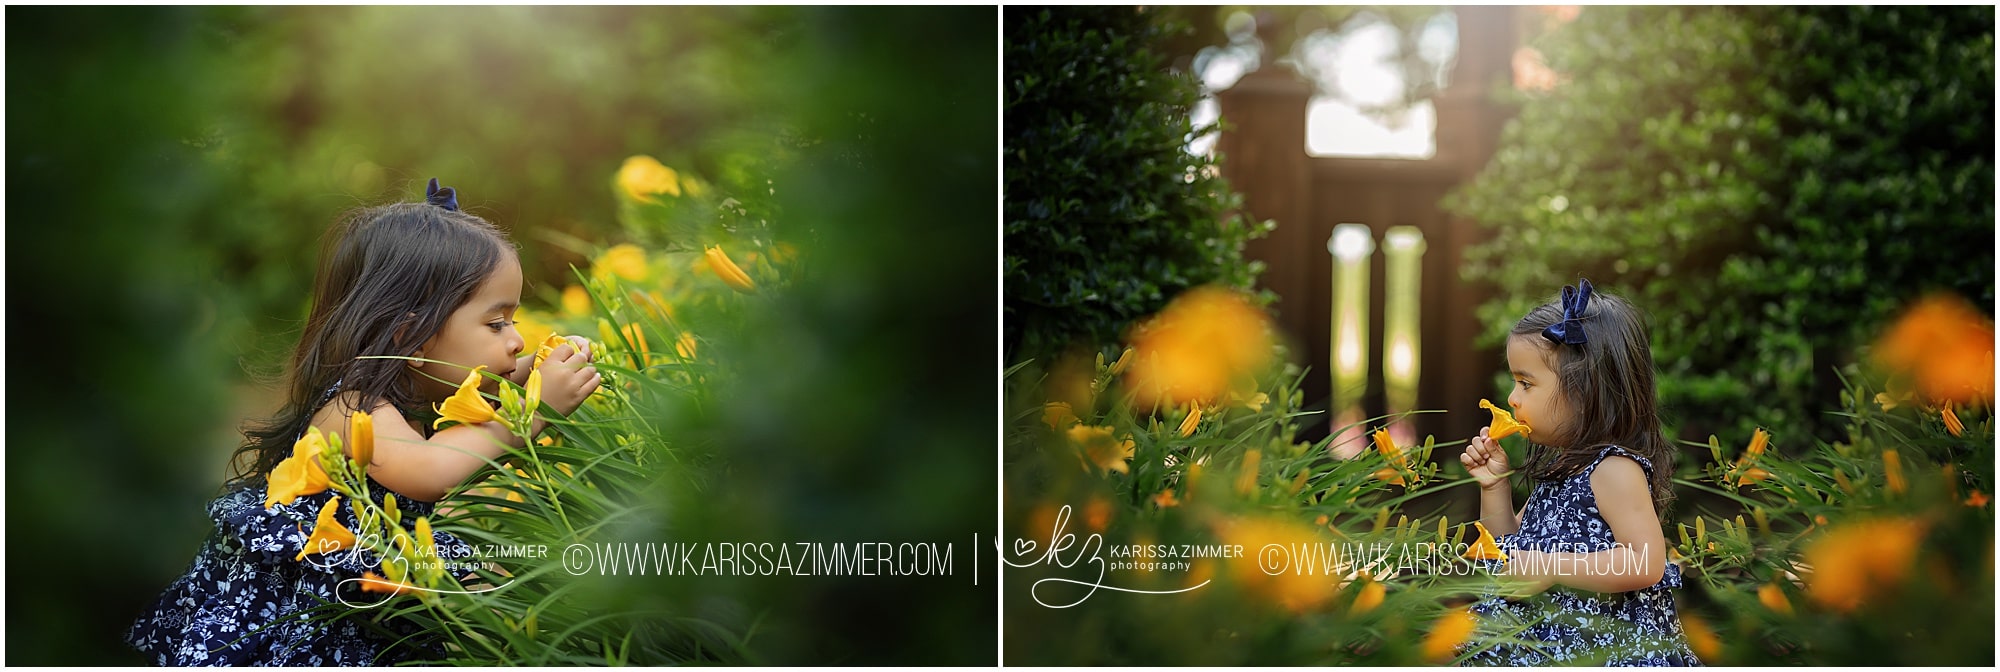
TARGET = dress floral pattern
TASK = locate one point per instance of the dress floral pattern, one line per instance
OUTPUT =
(1576, 626)
(245, 600)
(241, 600)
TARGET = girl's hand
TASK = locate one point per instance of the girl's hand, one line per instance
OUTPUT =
(1486, 461)
(567, 376)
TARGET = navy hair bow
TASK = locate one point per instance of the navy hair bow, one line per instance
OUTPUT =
(1570, 329)
(446, 197)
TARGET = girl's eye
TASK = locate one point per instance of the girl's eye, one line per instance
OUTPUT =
(497, 326)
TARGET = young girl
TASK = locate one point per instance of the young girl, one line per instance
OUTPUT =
(1590, 533)
(418, 280)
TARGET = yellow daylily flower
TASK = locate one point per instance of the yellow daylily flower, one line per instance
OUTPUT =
(466, 406)
(643, 176)
(1485, 548)
(1752, 475)
(575, 301)
(1758, 441)
(1504, 425)
(328, 535)
(1390, 474)
(1058, 415)
(1124, 360)
(1892, 471)
(1951, 422)
(1192, 422)
(624, 260)
(361, 437)
(534, 392)
(727, 270)
(298, 475)
(430, 567)
(637, 336)
(685, 345)
(1101, 449)
(1448, 633)
(548, 347)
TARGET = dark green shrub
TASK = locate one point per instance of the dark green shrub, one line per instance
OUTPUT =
(1769, 183)
(1107, 214)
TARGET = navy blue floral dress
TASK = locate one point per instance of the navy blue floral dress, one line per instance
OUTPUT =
(1577, 626)
(243, 601)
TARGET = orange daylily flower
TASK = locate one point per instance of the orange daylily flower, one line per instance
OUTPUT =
(328, 534)
(374, 583)
(299, 475)
(1892, 471)
(1097, 513)
(1504, 425)
(1370, 597)
(1246, 473)
(1449, 632)
(1751, 474)
(1295, 592)
(1701, 638)
(1166, 499)
(1977, 500)
(1947, 344)
(1951, 422)
(1486, 548)
(1192, 350)
(1773, 598)
(1855, 562)
(361, 438)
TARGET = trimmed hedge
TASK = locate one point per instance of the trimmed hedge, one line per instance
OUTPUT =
(1107, 214)
(1770, 183)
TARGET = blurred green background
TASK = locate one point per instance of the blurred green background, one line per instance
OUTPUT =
(172, 172)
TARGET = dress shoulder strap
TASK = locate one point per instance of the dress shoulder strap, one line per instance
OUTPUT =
(323, 398)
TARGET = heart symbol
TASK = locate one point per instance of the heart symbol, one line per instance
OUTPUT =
(1023, 547)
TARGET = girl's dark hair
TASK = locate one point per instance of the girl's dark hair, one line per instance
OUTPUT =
(386, 284)
(1607, 386)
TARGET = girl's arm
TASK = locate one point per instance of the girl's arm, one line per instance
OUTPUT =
(1640, 559)
(427, 470)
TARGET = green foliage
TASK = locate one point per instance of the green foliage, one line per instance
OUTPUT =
(1901, 465)
(1768, 183)
(1107, 214)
